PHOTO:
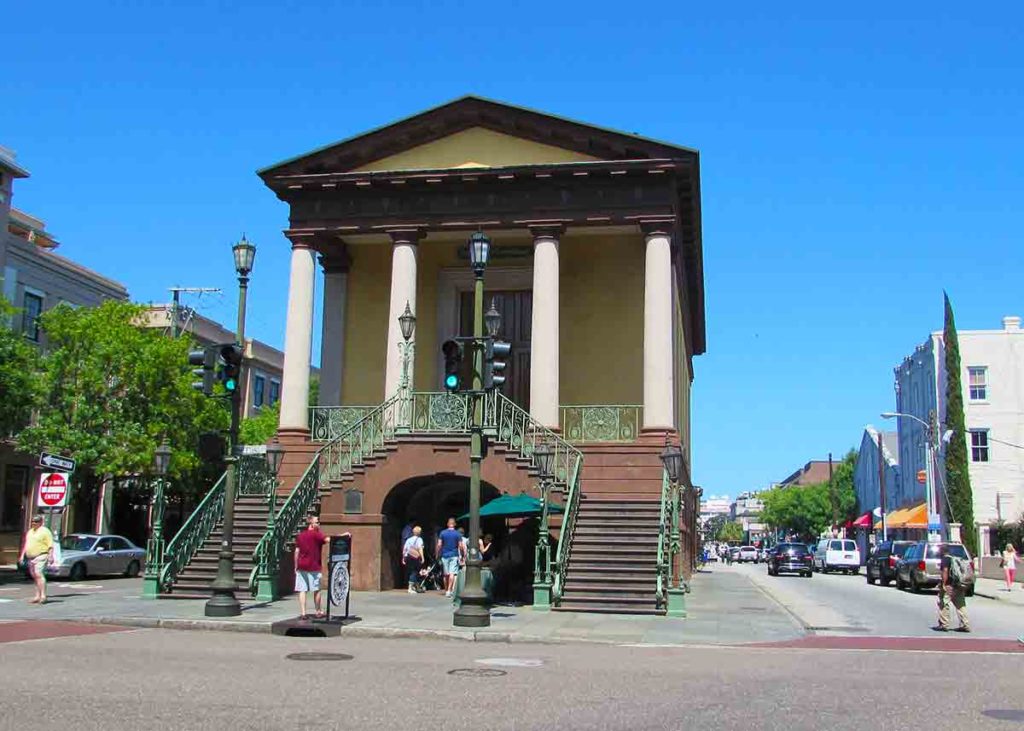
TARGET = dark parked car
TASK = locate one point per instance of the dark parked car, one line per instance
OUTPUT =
(919, 567)
(790, 557)
(881, 566)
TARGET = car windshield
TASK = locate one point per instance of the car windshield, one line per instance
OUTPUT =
(849, 546)
(77, 543)
(954, 550)
(898, 549)
(792, 548)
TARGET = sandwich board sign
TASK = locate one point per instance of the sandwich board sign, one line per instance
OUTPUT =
(53, 490)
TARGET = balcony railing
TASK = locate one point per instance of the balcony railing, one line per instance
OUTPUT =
(329, 422)
(448, 413)
(601, 423)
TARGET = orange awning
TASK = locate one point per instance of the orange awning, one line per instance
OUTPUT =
(890, 517)
(917, 518)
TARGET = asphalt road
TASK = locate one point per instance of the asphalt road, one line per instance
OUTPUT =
(843, 604)
(208, 680)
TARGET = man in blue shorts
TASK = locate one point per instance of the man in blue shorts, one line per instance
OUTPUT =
(452, 552)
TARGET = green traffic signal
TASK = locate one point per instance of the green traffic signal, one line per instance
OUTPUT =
(452, 366)
(230, 366)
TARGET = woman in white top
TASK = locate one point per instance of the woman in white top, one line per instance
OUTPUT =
(412, 559)
(1009, 563)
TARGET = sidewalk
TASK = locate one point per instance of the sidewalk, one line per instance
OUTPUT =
(724, 608)
(996, 589)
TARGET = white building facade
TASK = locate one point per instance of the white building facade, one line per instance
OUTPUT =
(992, 377)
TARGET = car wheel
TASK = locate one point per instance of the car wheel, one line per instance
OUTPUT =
(133, 570)
(77, 572)
(808, 575)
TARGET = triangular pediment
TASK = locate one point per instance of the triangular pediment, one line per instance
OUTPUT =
(476, 132)
(476, 147)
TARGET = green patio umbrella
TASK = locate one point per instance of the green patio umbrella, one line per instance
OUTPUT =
(514, 506)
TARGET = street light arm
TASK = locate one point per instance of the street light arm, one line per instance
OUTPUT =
(892, 414)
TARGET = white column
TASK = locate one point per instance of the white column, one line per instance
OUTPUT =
(544, 365)
(298, 340)
(332, 343)
(403, 290)
(658, 379)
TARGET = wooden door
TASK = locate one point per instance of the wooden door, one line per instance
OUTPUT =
(516, 308)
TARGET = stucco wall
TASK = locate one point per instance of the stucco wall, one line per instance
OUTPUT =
(602, 319)
(366, 325)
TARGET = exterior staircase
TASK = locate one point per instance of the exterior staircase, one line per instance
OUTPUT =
(250, 525)
(613, 561)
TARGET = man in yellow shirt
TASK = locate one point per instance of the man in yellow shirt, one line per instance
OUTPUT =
(38, 549)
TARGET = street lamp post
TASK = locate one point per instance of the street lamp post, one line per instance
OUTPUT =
(155, 544)
(672, 460)
(223, 603)
(929, 469)
(473, 610)
(545, 457)
(407, 324)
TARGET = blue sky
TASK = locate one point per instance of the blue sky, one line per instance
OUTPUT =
(855, 162)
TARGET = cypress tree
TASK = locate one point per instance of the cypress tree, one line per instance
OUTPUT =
(958, 478)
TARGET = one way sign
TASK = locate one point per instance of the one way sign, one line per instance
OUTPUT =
(56, 462)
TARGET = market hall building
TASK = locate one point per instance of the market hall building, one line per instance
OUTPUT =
(596, 270)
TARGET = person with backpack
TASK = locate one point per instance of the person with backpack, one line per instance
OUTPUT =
(957, 573)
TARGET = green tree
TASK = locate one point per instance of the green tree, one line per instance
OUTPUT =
(958, 478)
(112, 392)
(260, 429)
(19, 375)
(730, 532)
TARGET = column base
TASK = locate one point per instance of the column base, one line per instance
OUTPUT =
(541, 597)
(676, 602)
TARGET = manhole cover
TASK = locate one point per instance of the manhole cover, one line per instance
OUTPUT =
(318, 656)
(477, 672)
(1005, 714)
(511, 662)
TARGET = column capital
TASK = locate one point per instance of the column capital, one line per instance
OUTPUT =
(547, 231)
(301, 239)
(336, 261)
(410, 236)
(657, 227)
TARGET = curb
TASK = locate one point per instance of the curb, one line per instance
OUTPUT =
(213, 625)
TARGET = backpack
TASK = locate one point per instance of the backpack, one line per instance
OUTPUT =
(961, 572)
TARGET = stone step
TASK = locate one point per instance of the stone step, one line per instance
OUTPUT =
(607, 608)
(632, 589)
(615, 550)
(611, 576)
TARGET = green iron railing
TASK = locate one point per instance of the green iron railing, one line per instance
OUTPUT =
(511, 425)
(281, 527)
(601, 423)
(664, 563)
(193, 534)
(254, 476)
(327, 423)
(571, 505)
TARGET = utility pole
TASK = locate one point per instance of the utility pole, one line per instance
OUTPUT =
(176, 302)
(932, 513)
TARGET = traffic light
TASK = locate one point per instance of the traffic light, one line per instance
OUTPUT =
(495, 353)
(453, 371)
(230, 367)
(205, 359)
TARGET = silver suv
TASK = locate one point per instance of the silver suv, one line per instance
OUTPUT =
(919, 566)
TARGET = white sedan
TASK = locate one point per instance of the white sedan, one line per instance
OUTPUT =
(747, 553)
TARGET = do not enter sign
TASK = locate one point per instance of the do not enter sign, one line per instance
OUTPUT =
(53, 489)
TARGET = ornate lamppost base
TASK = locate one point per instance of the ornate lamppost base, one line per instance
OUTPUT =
(223, 605)
(473, 610)
(542, 597)
(677, 602)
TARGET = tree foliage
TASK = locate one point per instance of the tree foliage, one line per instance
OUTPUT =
(19, 379)
(958, 478)
(260, 429)
(807, 511)
(113, 391)
(730, 532)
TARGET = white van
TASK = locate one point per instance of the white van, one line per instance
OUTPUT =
(837, 554)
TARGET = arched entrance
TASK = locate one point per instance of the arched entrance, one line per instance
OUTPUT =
(427, 502)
